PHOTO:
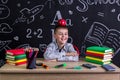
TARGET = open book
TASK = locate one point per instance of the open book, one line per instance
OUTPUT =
(101, 35)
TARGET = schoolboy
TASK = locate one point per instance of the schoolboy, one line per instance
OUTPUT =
(60, 50)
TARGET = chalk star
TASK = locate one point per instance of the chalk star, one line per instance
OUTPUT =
(84, 19)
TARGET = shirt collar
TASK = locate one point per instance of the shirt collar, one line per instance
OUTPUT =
(56, 45)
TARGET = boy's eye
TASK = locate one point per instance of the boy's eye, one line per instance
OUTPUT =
(66, 34)
(60, 34)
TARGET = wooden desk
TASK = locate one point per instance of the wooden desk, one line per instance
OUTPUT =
(21, 73)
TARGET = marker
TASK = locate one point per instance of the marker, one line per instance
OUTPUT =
(61, 65)
(76, 67)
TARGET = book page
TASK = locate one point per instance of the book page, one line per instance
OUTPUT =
(97, 33)
(113, 39)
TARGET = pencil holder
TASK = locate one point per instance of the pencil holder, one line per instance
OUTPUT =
(31, 58)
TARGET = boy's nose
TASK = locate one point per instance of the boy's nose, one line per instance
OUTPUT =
(63, 35)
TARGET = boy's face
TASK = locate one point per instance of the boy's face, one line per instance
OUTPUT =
(61, 35)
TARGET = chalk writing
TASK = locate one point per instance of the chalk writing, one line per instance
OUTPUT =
(118, 17)
(49, 3)
(37, 33)
(56, 18)
(65, 2)
(4, 1)
(84, 4)
(101, 14)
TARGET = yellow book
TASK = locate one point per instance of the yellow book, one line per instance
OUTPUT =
(98, 59)
(17, 61)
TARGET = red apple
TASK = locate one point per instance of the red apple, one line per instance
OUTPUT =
(62, 22)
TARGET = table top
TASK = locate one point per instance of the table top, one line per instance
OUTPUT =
(7, 68)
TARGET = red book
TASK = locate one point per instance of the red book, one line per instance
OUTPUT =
(99, 55)
(15, 52)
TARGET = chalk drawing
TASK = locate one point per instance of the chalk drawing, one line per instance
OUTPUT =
(4, 45)
(29, 14)
(5, 28)
(28, 2)
(49, 3)
(84, 19)
(23, 46)
(18, 5)
(42, 47)
(65, 2)
(113, 10)
(4, 11)
(42, 17)
(4, 1)
(70, 12)
(100, 14)
(101, 35)
(16, 38)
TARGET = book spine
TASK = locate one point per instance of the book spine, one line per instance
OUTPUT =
(101, 56)
(94, 54)
(15, 52)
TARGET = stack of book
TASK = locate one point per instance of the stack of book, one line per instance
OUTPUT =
(99, 55)
(16, 57)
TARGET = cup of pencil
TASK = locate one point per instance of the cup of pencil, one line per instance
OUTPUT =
(31, 54)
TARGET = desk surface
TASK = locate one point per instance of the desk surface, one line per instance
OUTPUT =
(7, 68)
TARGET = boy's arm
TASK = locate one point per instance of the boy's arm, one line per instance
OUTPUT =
(71, 51)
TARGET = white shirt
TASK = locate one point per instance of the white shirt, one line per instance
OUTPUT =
(53, 52)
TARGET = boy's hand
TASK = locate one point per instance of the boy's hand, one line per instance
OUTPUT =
(72, 54)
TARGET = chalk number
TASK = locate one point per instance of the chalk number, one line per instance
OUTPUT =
(37, 33)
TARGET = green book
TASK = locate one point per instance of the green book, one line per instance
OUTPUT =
(97, 62)
(10, 57)
(100, 49)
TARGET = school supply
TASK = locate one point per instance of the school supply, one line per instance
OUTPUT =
(108, 67)
(90, 66)
(61, 65)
